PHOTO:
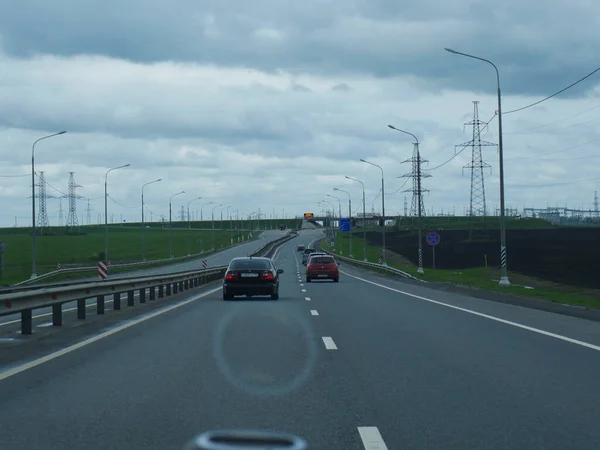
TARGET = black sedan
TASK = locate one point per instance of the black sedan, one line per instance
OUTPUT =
(251, 276)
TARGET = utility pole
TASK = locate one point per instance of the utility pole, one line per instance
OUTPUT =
(477, 205)
(417, 191)
(43, 221)
(89, 213)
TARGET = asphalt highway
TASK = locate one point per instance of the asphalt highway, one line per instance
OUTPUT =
(43, 316)
(366, 363)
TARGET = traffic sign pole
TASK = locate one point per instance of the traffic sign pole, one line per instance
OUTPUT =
(433, 239)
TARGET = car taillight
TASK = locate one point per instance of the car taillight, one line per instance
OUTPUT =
(231, 276)
(267, 276)
(309, 266)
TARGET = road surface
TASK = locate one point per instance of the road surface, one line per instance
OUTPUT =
(366, 363)
(43, 315)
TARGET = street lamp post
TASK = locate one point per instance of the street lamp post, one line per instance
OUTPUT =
(143, 227)
(503, 269)
(190, 224)
(106, 210)
(339, 206)
(230, 226)
(33, 231)
(202, 215)
(325, 209)
(349, 218)
(364, 217)
(419, 212)
(332, 220)
(171, 224)
(213, 224)
(188, 211)
(222, 228)
(383, 245)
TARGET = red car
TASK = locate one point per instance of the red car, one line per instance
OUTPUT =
(322, 267)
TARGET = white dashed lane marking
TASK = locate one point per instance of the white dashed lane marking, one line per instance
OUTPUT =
(371, 438)
(329, 344)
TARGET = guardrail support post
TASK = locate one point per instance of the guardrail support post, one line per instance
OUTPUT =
(117, 300)
(143, 295)
(161, 291)
(175, 287)
(100, 304)
(186, 284)
(130, 298)
(181, 286)
(168, 287)
(57, 315)
(81, 309)
(152, 293)
(26, 321)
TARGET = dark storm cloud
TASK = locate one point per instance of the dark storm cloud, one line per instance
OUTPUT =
(538, 50)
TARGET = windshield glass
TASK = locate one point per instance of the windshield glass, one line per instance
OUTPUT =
(250, 264)
(322, 260)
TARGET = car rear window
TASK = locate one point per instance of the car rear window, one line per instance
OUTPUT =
(309, 250)
(250, 264)
(322, 260)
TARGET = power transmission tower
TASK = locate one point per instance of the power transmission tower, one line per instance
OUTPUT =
(61, 215)
(477, 206)
(182, 214)
(416, 174)
(405, 207)
(72, 220)
(43, 221)
(89, 212)
(596, 204)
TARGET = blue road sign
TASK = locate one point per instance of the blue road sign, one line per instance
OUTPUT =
(433, 238)
(345, 224)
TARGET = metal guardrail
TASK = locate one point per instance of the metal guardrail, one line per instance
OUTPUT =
(68, 270)
(156, 286)
(382, 267)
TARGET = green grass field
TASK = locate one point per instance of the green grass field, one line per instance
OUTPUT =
(472, 223)
(478, 277)
(124, 246)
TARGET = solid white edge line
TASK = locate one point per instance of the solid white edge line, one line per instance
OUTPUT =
(371, 438)
(44, 359)
(486, 316)
(314, 312)
(328, 341)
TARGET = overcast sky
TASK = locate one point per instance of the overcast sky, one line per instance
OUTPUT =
(271, 103)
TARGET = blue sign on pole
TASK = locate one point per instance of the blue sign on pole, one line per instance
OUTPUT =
(344, 224)
(433, 238)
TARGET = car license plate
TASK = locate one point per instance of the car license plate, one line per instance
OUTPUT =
(249, 275)
(322, 275)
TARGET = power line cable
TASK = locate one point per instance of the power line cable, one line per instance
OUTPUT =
(553, 95)
(120, 204)
(49, 185)
(527, 130)
(552, 184)
(556, 151)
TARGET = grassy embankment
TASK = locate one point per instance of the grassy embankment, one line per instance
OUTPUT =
(485, 278)
(125, 246)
